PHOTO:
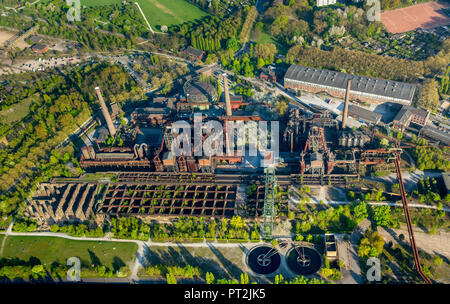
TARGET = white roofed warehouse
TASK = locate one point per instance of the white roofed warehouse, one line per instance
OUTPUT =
(372, 90)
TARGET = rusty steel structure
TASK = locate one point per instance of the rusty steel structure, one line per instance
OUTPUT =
(216, 200)
(412, 240)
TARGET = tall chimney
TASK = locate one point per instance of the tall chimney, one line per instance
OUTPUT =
(347, 97)
(227, 95)
(292, 141)
(109, 123)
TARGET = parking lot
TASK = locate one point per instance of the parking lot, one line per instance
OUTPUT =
(41, 64)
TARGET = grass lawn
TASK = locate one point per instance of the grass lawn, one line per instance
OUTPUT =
(160, 12)
(222, 262)
(99, 3)
(55, 249)
(261, 36)
(169, 12)
(264, 38)
(17, 112)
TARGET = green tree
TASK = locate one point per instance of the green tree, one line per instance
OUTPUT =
(360, 211)
(279, 279)
(244, 278)
(38, 270)
(437, 260)
(429, 98)
(171, 278)
(232, 44)
(382, 215)
(209, 278)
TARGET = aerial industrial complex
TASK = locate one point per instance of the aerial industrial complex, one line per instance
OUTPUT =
(363, 88)
(224, 142)
(150, 181)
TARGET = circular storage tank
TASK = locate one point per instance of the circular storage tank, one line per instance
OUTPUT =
(198, 91)
(263, 260)
(303, 260)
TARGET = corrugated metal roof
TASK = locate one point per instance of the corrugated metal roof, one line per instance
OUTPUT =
(115, 155)
(442, 136)
(361, 84)
(365, 115)
(405, 113)
(193, 51)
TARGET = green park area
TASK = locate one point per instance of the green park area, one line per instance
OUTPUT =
(16, 113)
(227, 263)
(48, 250)
(161, 12)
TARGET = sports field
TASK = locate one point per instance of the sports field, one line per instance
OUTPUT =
(424, 15)
(160, 12)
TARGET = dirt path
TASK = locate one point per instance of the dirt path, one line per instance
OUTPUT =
(145, 18)
(8, 232)
(438, 243)
(348, 253)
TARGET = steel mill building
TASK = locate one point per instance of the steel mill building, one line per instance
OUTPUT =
(363, 88)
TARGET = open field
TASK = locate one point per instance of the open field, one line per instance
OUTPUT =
(161, 12)
(169, 12)
(6, 35)
(424, 15)
(16, 113)
(54, 249)
(222, 262)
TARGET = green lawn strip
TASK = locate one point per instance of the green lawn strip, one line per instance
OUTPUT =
(54, 249)
(93, 3)
(264, 37)
(219, 261)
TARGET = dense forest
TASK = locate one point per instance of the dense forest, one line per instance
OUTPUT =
(62, 104)
(356, 62)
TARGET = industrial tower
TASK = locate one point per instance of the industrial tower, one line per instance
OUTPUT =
(269, 203)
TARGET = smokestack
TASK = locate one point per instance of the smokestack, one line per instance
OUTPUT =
(347, 97)
(109, 123)
(292, 141)
(227, 95)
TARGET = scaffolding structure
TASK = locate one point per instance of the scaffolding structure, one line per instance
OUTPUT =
(269, 203)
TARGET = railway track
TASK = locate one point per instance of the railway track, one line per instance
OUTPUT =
(408, 221)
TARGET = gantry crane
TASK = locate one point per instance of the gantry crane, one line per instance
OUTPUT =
(269, 203)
